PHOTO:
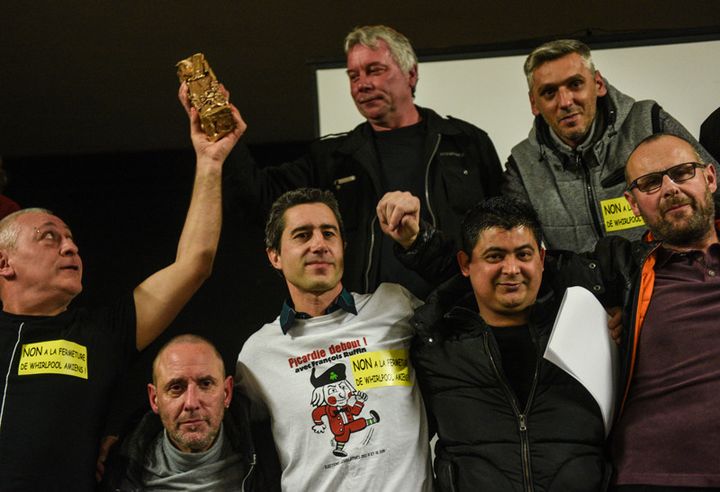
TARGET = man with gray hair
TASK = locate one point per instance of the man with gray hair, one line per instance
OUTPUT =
(571, 168)
(448, 162)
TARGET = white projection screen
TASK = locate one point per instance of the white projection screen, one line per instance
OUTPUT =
(491, 92)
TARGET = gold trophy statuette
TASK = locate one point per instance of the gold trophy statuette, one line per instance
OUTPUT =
(204, 91)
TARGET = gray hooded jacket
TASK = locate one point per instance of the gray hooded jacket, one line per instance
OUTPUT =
(570, 188)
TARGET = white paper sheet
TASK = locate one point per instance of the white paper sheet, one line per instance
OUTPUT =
(580, 344)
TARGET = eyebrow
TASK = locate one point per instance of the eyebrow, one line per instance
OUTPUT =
(309, 227)
(366, 66)
(174, 381)
(53, 224)
(184, 380)
(496, 249)
(572, 78)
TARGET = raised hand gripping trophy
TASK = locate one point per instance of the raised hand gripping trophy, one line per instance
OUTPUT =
(205, 95)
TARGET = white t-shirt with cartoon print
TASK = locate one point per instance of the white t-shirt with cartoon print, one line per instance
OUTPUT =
(345, 408)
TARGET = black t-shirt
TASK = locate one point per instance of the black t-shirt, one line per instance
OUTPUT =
(401, 153)
(57, 375)
(519, 358)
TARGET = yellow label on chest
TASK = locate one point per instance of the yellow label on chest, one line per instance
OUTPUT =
(381, 368)
(617, 215)
(53, 357)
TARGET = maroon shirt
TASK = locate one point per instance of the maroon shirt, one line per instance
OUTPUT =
(669, 433)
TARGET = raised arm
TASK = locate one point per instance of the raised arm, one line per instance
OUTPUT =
(160, 297)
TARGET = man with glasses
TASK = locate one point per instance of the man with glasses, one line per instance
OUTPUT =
(666, 438)
(571, 166)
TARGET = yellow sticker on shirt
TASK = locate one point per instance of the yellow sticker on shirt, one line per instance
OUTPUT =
(381, 368)
(617, 215)
(53, 357)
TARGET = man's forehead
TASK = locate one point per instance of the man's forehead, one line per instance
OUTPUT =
(188, 360)
(497, 237)
(659, 154)
(39, 219)
(309, 215)
(559, 70)
(362, 54)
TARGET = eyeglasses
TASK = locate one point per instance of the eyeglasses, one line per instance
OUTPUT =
(677, 173)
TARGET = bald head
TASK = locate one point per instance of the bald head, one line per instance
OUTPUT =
(188, 339)
(190, 392)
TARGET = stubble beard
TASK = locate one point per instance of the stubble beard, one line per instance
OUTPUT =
(691, 230)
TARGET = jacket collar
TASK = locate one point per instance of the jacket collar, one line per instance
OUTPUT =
(649, 244)
(359, 140)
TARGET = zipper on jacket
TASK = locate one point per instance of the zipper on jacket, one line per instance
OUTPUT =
(594, 212)
(427, 180)
(7, 374)
(521, 416)
(370, 254)
(247, 475)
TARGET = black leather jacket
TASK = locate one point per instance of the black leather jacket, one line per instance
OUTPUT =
(461, 167)
(486, 440)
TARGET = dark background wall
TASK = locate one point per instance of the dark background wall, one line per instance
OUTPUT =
(90, 126)
(81, 76)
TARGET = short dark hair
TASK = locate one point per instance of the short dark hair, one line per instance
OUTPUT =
(276, 218)
(553, 50)
(500, 211)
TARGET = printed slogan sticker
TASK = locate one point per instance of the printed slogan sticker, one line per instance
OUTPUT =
(617, 215)
(381, 368)
(53, 357)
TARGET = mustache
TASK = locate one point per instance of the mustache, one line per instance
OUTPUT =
(675, 202)
(319, 259)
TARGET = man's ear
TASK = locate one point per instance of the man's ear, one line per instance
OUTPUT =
(413, 76)
(600, 84)
(711, 177)
(6, 270)
(542, 257)
(464, 261)
(633, 203)
(274, 257)
(228, 387)
(533, 106)
(152, 397)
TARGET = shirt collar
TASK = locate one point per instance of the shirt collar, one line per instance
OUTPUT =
(288, 315)
(664, 255)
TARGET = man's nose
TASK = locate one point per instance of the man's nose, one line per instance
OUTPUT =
(318, 242)
(68, 247)
(668, 186)
(565, 97)
(510, 265)
(363, 83)
(192, 401)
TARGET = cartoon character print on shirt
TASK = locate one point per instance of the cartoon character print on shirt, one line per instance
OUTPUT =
(335, 398)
